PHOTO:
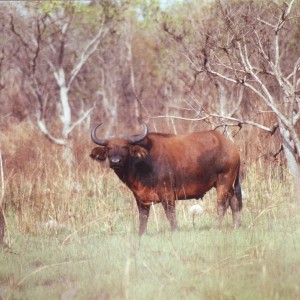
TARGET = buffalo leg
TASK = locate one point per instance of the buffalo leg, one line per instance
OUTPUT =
(224, 196)
(236, 207)
(171, 214)
(143, 216)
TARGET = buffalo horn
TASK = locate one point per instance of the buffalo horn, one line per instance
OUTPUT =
(96, 140)
(138, 137)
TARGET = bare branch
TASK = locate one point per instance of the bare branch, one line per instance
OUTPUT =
(13, 29)
(268, 99)
(85, 115)
(261, 48)
(265, 22)
(225, 77)
(288, 11)
(88, 51)
(44, 130)
(294, 17)
(179, 118)
(240, 99)
(51, 65)
(248, 122)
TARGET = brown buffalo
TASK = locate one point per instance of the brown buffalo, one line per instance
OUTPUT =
(163, 168)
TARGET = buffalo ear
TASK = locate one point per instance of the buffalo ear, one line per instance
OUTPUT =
(98, 153)
(138, 151)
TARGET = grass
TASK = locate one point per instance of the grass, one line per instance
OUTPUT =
(260, 262)
(96, 253)
(75, 237)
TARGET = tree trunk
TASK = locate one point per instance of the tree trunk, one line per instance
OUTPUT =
(2, 225)
(2, 219)
(66, 116)
(290, 155)
(295, 172)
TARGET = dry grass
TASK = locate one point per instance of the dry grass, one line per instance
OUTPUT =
(72, 234)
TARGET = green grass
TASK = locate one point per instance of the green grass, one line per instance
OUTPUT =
(95, 252)
(261, 262)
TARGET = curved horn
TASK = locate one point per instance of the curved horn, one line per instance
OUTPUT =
(138, 137)
(96, 140)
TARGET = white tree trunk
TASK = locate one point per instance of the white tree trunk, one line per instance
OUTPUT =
(65, 117)
(66, 111)
(295, 172)
(290, 155)
(64, 101)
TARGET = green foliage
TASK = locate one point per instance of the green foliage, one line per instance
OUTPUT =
(54, 5)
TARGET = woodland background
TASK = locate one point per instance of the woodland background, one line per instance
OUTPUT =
(190, 65)
(65, 66)
(70, 224)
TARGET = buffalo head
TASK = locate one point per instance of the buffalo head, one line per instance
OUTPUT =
(118, 149)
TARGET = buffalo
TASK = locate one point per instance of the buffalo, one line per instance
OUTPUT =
(162, 168)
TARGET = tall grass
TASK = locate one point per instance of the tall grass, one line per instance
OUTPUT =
(72, 234)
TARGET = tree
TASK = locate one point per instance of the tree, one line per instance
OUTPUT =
(47, 48)
(255, 46)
